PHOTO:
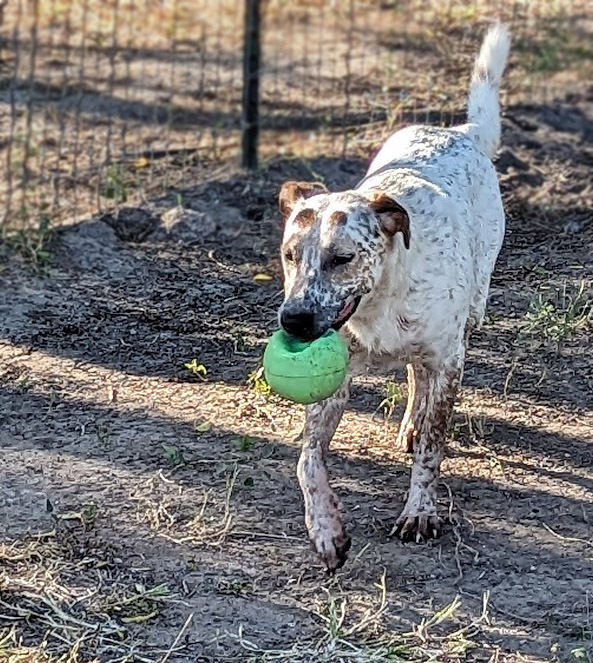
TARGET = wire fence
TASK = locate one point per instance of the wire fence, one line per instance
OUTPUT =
(104, 101)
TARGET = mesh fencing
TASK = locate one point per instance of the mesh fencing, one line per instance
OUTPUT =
(102, 102)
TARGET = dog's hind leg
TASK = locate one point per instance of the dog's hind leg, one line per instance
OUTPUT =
(322, 508)
(436, 396)
(408, 429)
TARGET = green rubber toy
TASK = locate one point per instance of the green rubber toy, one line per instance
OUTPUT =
(305, 372)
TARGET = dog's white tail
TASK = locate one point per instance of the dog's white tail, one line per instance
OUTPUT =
(483, 110)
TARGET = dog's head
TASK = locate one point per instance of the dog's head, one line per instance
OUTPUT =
(333, 253)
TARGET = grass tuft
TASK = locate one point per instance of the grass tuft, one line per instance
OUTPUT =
(33, 244)
(558, 318)
(365, 639)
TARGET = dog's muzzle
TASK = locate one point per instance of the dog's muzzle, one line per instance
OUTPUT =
(307, 325)
(300, 323)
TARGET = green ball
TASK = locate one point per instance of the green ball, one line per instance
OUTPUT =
(306, 372)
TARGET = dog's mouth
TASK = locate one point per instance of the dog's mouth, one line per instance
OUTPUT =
(346, 312)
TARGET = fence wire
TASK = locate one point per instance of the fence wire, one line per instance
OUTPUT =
(103, 101)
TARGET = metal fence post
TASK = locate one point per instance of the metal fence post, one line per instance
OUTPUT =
(251, 63)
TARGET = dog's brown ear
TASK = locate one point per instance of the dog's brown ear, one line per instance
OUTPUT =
(291, 192)
(393, 216)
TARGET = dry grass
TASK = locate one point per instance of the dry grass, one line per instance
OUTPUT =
(77, 603)
(364, 637)
(80, 607)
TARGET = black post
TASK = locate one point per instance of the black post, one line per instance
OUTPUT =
(251, 58)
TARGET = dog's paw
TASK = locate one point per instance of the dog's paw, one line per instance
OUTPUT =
(332, 548)
(325, 526)
(417, 527)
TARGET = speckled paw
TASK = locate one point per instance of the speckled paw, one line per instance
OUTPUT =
(417, 527)
(333, 552)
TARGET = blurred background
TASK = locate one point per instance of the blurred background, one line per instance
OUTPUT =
(103, 102)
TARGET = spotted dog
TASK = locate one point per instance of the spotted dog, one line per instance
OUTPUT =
(401, 265)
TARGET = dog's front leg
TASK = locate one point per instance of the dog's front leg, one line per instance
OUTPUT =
(435, 395)
(322, 508)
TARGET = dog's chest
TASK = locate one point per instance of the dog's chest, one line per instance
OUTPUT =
(392, 333)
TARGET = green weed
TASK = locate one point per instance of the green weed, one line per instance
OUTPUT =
(104, 437)
(173, 455)
(393, 397)
(199, 370)
(202, 426)
(33, 243)
(115, 188)
(256, 380)
(244, 443)
(558, 319)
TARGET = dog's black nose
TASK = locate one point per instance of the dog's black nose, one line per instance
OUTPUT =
(298, 323)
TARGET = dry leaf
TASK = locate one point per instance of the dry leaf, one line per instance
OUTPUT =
(139, 619)
(261, 277)
(141, 162)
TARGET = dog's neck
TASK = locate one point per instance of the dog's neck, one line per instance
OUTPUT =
(385, 306)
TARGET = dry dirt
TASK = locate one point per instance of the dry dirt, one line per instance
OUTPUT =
(150, 513)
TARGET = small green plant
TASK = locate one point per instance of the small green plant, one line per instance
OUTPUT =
(545, 58)
(558, 320)
(115, 188)
(235, 587)
(33, 243)
(173, 455)
(104, 437)
(202, 426)
(89, 513)
(582, 655)
(257, 382)
(461, 13)
(393, 397)
(244, 443)
(541, 270)
(199, 370)
(335, 613)
(85, 515)
(491, 317)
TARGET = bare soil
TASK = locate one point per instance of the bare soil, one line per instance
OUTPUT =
(136, 494)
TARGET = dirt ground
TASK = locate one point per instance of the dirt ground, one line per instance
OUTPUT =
(150, 511)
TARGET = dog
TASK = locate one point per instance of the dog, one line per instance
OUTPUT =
(401, 265)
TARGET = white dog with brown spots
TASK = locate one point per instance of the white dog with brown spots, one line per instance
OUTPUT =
(402, 265)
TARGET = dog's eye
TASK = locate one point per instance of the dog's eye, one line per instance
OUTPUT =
(336, 261)
(289, 256)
